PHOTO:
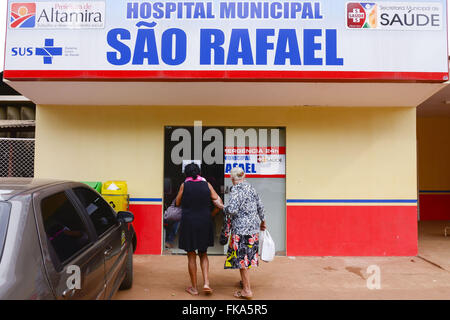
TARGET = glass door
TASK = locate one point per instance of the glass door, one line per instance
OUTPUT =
(204, 146)
(261, 153)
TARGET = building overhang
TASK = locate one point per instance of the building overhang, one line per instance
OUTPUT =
(326, 53)
(227, 93)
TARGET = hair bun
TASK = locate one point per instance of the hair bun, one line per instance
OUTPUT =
(192, 170)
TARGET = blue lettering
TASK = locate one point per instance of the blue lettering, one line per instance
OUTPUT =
(295, 8)
(180, 10)
(276, 10)
(286, 10)
(173, 51)
(132, 10)
(199, 11)
(307, 12)
(262, 46)
(189, 6)
(167, 46)
(242, 10)
(287, 37)
(331, 49)
(317, 13)
(158, 11)
(122, 49)
(145, 47)
(209, 10)
(227, 10)
(256, 10)
(266, 10)
(146, 10)
(170, 7)
(247, 167)
(240, 38)
(310, 47)
(208, 45)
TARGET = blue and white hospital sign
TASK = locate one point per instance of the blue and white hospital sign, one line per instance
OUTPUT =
(227, 39)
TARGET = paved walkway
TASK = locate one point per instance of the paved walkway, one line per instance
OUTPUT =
(426, 276)
(433, 245)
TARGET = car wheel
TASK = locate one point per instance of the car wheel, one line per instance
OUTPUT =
(127, 282)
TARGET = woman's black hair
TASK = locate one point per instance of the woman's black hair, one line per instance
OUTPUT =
(192, 170)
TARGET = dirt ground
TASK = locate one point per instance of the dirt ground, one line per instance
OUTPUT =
(426, 276)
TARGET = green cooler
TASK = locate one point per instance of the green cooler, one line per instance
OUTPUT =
(97, 186)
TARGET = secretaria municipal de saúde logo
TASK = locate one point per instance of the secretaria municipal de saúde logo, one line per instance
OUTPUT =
(361, 15)
(23, 15)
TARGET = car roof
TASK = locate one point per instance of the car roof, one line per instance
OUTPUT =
(10, 187)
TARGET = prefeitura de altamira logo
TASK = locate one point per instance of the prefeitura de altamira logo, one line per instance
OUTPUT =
(362, 15)
(57, 15)
(23, 15)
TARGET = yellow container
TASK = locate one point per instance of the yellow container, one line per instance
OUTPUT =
(116, 194)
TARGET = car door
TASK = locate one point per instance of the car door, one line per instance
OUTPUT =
(74, 262)
(110, 233)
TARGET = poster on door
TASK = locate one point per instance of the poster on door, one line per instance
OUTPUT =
(257, 162)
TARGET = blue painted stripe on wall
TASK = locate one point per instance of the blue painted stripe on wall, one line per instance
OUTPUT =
(350, 201)
(146, 199)
(434, 191)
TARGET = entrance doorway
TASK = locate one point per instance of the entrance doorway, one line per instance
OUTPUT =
(260, 151)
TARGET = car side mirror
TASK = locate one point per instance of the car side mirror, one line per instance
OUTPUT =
(125, 216)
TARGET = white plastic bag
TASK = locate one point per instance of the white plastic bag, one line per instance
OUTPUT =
(267, 246)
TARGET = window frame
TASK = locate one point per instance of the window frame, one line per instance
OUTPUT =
(4, 228)
(52, 256)
(87, 216)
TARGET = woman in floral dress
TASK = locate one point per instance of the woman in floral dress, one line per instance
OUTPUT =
(246, 213)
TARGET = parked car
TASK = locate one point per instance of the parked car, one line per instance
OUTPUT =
(62, 240)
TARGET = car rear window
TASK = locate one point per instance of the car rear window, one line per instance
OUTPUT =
(5, 209)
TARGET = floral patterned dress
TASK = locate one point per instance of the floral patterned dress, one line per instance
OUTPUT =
(243, 216)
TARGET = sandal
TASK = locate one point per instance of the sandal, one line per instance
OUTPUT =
(238, 294)
(191, 291)
(207, 290)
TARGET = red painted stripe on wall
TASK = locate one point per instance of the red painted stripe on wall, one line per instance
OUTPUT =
(351, 231)
(260, 176)
(148, 226)
(220, 75)
(434, 206)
